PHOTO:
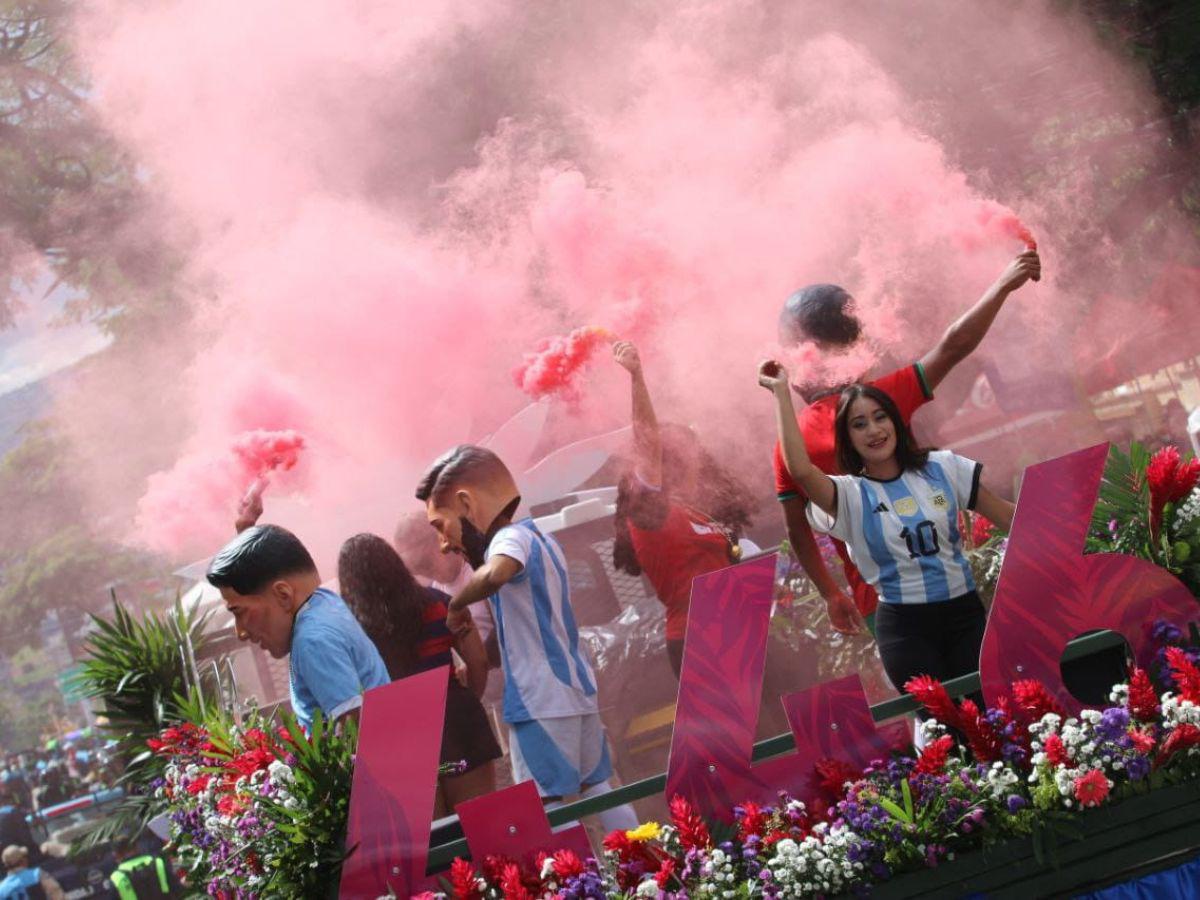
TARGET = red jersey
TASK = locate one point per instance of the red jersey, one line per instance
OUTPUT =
(686, 544)
(908, 388)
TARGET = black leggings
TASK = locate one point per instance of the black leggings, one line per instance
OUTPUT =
(938, 639)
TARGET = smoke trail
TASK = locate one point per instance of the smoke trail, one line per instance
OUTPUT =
(389, 204)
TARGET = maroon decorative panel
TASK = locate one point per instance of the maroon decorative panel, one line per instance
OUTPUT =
(1049, 591)
(512, 822)
(720, 687)
(395, 780)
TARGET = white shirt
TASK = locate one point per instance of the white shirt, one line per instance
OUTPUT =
(903, 534)
(546, 670)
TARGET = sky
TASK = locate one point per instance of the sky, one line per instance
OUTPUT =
(40, 343)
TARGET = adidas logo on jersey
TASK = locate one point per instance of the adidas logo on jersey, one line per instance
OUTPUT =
(881, 508)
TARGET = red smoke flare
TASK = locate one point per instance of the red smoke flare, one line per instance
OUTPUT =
(259, 453)
(1004, 223)
(555, 363)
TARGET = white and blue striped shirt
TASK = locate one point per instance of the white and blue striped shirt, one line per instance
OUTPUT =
(546, 670)
(903, 534)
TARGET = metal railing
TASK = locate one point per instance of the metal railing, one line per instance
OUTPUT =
(447, 841)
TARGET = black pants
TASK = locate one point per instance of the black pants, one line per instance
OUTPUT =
(938, 639)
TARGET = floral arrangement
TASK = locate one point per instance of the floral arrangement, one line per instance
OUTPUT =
(1149, 507)
(1024, 768)
(256, 811)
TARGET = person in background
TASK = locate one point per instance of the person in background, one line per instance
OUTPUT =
(271, 586)
(556, 737)
(679, 514)
(407, 624)
(14, 827)
(896, 509)
(418, 547)
(25, 882)
(142, 876)
(823, 314)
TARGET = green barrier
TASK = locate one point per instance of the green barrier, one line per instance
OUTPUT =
(447, 841)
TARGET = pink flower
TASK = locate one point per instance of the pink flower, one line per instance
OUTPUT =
(1091, 788)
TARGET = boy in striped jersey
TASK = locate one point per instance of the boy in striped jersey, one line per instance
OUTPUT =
(556, 737)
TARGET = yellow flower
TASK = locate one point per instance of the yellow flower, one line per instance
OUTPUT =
(647, 832)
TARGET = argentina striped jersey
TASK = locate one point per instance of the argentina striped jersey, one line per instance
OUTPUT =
(546, 670)
(903, 533)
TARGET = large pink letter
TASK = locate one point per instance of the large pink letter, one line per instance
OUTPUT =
(395, 779)
(719, 691)
(1049, 591)
(512, 822)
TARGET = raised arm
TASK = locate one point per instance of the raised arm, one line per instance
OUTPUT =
(816, 484)
(964, 335)
(646, 441)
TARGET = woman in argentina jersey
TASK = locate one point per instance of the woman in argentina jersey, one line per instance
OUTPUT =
(896, 508)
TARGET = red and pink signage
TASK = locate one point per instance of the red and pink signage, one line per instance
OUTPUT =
(1048, 593)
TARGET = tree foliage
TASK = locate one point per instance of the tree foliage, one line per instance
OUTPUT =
(70, 199)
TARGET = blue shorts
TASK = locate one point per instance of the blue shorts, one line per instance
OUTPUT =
(563, 755)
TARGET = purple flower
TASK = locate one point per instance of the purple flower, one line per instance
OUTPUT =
(1015, 803)
(1113, 724)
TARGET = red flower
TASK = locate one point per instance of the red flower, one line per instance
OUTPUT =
(512, 885)
(985, 744)
(1143, 701)
(1056, 751)
(1187, 676)
(1170, 481)
(933, 756)
(981, 530)
(618, 842)
(493, 867)
(1143, 742)
(231, 804)
(929, 691)
(1091, 788)
(693, 833)
(752, 821)
(832, 775)
(1183, 737)
(664, 873)
(463, 880)
(1034, 700)
(197, 785)
(567, 864)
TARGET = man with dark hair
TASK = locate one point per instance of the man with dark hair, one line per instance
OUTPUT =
(271, 586)
(823, 314)
(556, 738)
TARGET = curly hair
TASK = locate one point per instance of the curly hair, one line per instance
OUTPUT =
(385, 598)
(720, 495)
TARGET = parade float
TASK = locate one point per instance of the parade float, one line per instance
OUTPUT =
(1033, 792)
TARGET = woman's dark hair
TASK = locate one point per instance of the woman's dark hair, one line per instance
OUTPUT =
(721, 495)
(385, 598)
(908, 454)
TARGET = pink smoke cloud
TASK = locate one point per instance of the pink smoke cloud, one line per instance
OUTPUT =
(392, 204)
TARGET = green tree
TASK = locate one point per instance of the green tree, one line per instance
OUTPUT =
(69, 194)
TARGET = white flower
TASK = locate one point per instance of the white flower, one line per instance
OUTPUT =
(648, 888)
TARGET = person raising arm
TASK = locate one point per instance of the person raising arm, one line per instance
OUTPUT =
(896, 509)
(822, 314)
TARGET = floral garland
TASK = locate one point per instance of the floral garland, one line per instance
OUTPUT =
(981, 778)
